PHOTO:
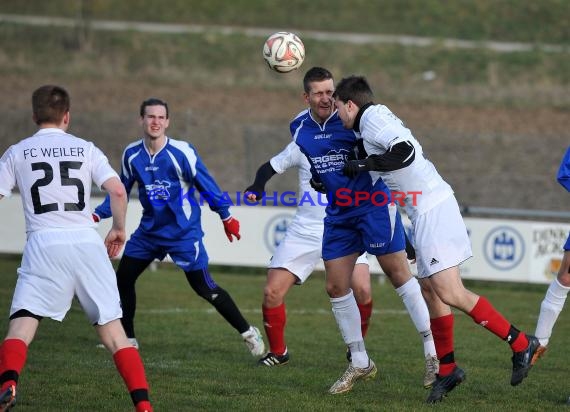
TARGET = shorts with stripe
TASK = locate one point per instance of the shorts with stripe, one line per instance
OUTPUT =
(440, 238)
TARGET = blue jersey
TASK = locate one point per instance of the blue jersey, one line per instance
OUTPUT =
(167, 184)
(563, 176)
(328, 146)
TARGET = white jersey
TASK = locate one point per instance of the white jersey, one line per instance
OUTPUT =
(54, 172)
(381, 129)
(311, 205)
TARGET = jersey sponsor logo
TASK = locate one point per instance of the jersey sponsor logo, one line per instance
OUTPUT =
(504, 248)
(151, 168)
(323, 136)
(157, 192)
(333, 160)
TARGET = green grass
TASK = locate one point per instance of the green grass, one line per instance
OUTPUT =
(195, 361)
(508, 20)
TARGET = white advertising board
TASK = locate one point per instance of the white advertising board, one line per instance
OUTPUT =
(503, 249)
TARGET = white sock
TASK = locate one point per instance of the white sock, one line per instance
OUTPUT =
(411, 294)
(347, 318)
(550, 308)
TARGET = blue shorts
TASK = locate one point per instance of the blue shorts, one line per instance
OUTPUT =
(567, 244)
(187, 254)
(378, 232)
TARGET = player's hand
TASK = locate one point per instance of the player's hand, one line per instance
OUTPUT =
(95, 217)
(353, 167)
(114, 242)
(318, 186)
(253, 193)
(231, 227)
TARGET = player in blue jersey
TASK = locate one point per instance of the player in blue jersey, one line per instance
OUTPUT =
(438, 231)
(356, 221)
(557, 292)
(170, 175)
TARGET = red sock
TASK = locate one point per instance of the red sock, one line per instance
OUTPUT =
(130, 366)
(487, 316)
(274, 320)
(365, 314)
(442, 331)
(13, 354)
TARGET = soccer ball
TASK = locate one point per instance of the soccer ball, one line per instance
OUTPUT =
(284, 52)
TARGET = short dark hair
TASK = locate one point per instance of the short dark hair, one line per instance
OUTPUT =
(153, 101)
(355, 88)
(49, 104)
(315, 74)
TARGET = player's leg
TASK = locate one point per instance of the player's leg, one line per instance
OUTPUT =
(279, 281)
(292, 263)
(553, 303)
(362, 289)
(396, 267)
(128, 363)
(96, 290)
(347, 316)
(204, 285)
(448, 286)
(13, 352)
(129, 270)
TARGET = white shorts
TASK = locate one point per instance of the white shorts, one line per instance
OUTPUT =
(440, 238)
(60, 264)
(300, 251)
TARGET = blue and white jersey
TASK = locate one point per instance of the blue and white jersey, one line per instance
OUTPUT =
(167, 184)
(563, 176)
(328, 146)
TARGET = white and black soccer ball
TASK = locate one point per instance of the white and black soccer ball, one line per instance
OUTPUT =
(284, 52)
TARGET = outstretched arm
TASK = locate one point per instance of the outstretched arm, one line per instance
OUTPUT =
(399, 156)
(255, 191)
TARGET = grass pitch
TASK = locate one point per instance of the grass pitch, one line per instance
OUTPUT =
(196, 362)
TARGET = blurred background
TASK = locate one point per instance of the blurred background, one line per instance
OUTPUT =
(483, 84)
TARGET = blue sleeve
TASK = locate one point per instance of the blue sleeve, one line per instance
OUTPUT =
(563, 176)
(104, 209)
(218, 201)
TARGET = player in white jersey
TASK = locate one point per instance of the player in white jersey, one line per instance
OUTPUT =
(439, 234)
(298, 253)
(64, 256)
(557, 292)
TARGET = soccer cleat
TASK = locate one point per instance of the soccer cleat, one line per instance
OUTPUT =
(254, 341)
(272, 359)
(432, 368)
(8, 398)
(522, 361)
(351, 375)
(445, 384)
(538, 354)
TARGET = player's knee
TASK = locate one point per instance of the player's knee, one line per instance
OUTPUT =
(272, 296)
(564, 278)
(362, 295)
(211, 295)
